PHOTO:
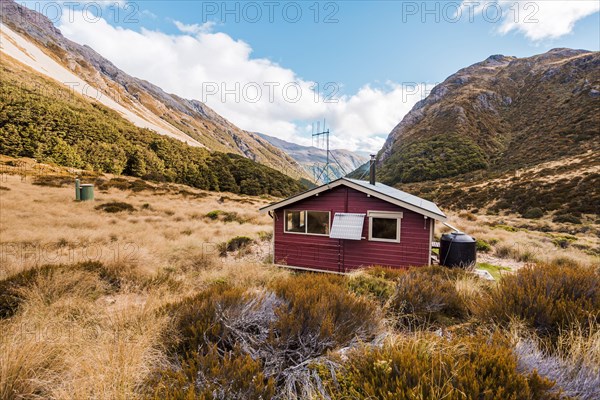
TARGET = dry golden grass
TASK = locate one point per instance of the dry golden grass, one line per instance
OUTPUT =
(514, 249)
(76, 337)
(44, 225)
(73, 336)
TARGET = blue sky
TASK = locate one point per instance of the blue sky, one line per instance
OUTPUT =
(362, 65)
(368, 41)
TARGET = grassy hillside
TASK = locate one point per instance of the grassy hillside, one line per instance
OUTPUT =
(169, 114)
(44, 120)
(564, 191)
(149, 293)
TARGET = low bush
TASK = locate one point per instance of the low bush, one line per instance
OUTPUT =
(233, 343)
(52, 281)
(567, 218)
(548, 298)
(376, 287)
(507, 228)
(391, 274)
(237, 243)
(319, 306)
(55, 181)
(428, 295)
(115, 207)
(483, 246)
(563, 241)
(265, 236)
(533, 213)
(225, 216)
(481, 367)
(468, 216)
(519, 253)
(10, 296)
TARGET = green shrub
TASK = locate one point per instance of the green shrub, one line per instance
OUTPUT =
(211, 366)
(483, 246)
(507, 228)
(565, 262)
(214, 215)
(53, 181)
(427, 295)
(265, 236)
(115, 207)
(376, 282)
(377, 287)
(563, 241)
(225, 216)
(237, 243)
(502, 205)
(430, 368)
(567, 218)
(533, 213)
(385, 272)
(547, 298)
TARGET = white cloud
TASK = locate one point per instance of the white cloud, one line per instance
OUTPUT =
(255, 94)
(537, 20)
(195, 28)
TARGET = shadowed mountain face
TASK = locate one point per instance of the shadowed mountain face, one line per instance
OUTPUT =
(501, 114)
(313, 159)
(139, 101)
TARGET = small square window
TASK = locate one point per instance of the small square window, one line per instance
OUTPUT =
(384, 228)
(295, 221)
(317, 222)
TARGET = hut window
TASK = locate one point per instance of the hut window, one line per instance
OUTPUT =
(307, 222)
(295, 222)
(384, 226)
(318, 222)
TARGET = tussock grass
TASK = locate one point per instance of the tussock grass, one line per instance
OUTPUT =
(140, 305)
(573, 362)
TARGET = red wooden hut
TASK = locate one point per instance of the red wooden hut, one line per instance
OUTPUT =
(348, 224)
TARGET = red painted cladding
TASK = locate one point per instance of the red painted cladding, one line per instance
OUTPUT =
(323, 253)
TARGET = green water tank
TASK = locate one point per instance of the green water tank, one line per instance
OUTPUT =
(86, 192)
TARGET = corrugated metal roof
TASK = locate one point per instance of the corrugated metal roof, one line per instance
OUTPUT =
(378, 190)
(399, 195)
(347, 226)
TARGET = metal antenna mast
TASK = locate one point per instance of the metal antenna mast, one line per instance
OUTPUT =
(324, 174)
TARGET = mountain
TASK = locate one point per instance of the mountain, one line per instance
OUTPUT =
(43, 118)
(500, 114)
(506, 134)
(313, 159)
(33, 40)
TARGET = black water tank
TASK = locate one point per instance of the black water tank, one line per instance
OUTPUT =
(457, 250)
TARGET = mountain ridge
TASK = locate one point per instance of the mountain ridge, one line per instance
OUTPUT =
(313, 158)
(497, 114)
(187, 120)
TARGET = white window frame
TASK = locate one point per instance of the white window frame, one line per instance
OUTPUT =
(385, 215)
(306, 222)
